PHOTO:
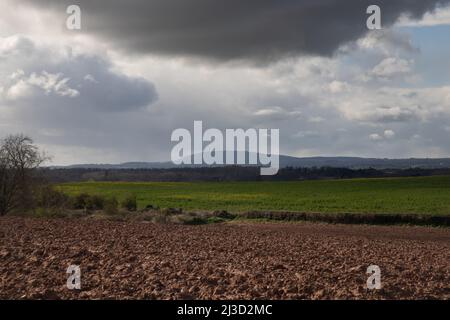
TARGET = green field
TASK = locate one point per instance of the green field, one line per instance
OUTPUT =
(428, 195)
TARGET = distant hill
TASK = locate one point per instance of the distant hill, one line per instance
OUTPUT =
(363, 163)
(288, 161)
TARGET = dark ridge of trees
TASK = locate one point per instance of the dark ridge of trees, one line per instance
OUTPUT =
(228, 173)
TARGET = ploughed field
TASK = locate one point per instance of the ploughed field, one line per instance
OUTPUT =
(220, 261)
(424, 195)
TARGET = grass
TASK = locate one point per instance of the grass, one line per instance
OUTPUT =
(425, 195)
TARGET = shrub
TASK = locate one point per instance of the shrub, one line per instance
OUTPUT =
(129, 203)
(161, 218)
(111, 206)
(216, 220)
(95, 202)
(195, 221)
(223, 214)
(171, 211)
(80, 201)
(51, 212)
(51, 198)
(191, 219)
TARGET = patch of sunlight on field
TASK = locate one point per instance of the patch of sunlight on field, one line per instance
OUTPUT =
(392, 195)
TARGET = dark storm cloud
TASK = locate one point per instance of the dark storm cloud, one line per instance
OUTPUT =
(258, 30)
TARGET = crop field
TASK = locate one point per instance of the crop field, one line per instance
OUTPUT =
(425, 195)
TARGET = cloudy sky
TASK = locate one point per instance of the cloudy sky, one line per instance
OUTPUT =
(116, 89)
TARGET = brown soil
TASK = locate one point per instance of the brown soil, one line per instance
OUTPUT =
(135, 260)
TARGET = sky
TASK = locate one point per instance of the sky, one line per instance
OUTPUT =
(115, 90)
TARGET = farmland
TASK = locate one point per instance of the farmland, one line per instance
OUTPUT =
(425, 195)
(132, 258)
(137, 260)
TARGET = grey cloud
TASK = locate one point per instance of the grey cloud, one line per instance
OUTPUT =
(389, 114)
(77, 104)
(19, 45)
(277, 113)
(253, 30)
(70, 82)
(110, 91)
(392, 67)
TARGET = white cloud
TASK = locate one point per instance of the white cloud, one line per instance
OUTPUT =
(440, 16)
(306, 134)
(395, 104)
(277, 113)
(41, 75)
(317, 119)
(20, 89)
(19, 73)
(90, 78)
(338, 86)
(15, 45)
(269, 111)
(53, 83)
(392, 67)
(385, 42)
(389, 134)
(23, 86)
(375, 137)
(381, 113)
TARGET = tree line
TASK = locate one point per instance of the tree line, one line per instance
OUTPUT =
(228, 173)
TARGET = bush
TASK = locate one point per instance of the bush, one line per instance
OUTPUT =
(160, 218)
(171, 211)
(111, 206)
(129, 203)
(51, 198)
(216, 220)
(88, 202)
(51, 212)
(223, 214)
(95, 202)
(195, 221)
(80, 201)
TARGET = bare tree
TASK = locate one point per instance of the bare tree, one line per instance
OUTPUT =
(19, 158)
